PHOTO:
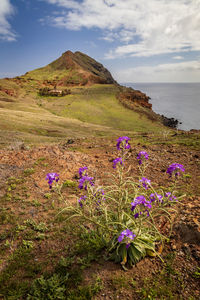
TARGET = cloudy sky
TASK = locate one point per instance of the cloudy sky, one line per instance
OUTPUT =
(137, 40)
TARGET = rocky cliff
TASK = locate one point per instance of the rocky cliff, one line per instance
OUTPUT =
(131, 98)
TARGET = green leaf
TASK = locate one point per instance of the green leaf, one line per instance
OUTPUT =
(134, 253)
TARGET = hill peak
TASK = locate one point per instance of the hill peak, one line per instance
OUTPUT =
(74, 69)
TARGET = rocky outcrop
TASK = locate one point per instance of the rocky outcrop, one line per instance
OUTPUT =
(135, 100)
(131, 98)
(169, 122)
(7, 91)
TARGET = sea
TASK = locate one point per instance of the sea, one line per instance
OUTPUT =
(180, 101)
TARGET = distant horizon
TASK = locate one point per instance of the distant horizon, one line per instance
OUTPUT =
(145, 82)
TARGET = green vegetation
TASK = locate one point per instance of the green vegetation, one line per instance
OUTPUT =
(41, 255)
(88, 111)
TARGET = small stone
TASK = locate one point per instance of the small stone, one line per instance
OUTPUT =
(174, 247)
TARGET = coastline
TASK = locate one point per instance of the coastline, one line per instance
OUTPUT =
(180, 101)
(136, 99)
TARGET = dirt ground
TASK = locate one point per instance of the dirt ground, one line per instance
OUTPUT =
(28, 199)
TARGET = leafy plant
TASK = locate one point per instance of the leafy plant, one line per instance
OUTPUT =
(48, 289)
(127, 214)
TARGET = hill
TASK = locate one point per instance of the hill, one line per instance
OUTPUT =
(73, 69)
(95, 106)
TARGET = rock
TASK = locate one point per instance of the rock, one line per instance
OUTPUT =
(131, 98)
(169, 122)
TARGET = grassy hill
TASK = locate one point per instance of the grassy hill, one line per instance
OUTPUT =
(73, 68)
(87, 111)
(90, 110)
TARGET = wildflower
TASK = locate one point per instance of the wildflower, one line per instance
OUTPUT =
(82, 171)
(140, 200)
(116, 161)
(84, 181)
(128, 236)
(170, 196)
(136, 215)
(155, 196)
(145, 182)
(51, 177)
(122, 143)
(175, 168)
(81, 199)
(141, 155)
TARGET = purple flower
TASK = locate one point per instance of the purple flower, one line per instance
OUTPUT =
(140, 200)
(128, 236)
(116, 161)
(81, 199)
(141, 155)
(84, 181)
(145, 182)
(153, 197)
(82, 171)
(51, 177)
(137, 215)
(170, 196)
(122, 143)
(175, 168)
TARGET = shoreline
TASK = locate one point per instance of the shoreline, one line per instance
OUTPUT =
(174, 100)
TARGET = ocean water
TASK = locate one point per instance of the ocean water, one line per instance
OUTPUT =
(175, 100)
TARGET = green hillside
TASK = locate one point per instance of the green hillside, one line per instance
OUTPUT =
(87, 111)
(92, 108)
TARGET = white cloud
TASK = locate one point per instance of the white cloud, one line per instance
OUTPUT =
(6, 10)
(178, 57)
(143, 27)
(176, 72)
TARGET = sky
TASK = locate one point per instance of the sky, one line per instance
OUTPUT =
(136, 40)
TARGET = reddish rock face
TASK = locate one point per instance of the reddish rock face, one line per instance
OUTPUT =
(7, 91)
(130, 98)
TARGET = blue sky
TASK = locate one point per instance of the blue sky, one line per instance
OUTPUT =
(137, 40)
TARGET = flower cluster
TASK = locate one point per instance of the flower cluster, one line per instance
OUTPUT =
(126, 235)
(82, 171)
(117, 161)
(145, 182)
(141, 155)
(154, 196)
(84, 181)
(170, 196)
(51, 177)
(141, 200)
(122, 143)
(175, 168)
